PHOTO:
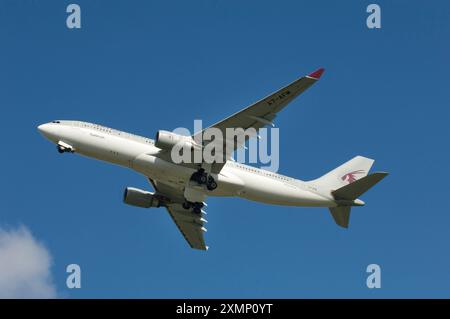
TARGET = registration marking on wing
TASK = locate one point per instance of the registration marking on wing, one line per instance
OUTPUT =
(278, 97)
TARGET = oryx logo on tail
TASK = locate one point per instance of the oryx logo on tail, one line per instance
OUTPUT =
(350, 177)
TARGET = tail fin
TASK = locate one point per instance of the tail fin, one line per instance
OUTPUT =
(347, 173)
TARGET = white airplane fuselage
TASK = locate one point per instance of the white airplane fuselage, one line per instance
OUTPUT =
(140, 154)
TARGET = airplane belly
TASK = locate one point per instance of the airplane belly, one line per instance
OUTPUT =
(270, 191)
(178, 176)
(228, 184)
(161, 170)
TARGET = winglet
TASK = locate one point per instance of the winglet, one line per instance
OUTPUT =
(316, 74)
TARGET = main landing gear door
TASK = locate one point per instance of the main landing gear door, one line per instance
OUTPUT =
(194, 193)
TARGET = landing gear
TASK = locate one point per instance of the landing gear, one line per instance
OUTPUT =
(186, 205)
(211, 183)
(196, 207)
(202, 178)
(64, 149)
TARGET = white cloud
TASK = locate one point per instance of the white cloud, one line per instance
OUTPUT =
(24, 266)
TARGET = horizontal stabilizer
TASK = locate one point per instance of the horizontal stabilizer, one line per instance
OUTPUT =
(341, 215)
(358, 187)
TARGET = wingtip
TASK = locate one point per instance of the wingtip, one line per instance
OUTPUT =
(316, 74)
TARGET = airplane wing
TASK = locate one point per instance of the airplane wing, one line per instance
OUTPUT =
(190, 224)
(259, 114)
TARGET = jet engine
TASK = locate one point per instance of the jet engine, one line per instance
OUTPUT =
(140, 198)
(166, 140)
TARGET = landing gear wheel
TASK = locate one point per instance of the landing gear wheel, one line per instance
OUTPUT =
(211, 183)
(211, 186)
(60, 149)
(198, 207)
(200, 177)
(186, 205)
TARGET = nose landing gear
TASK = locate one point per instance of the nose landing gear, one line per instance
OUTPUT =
(64, 147)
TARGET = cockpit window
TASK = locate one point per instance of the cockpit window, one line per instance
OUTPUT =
(56, 122)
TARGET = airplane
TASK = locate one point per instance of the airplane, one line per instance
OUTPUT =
(182, 188)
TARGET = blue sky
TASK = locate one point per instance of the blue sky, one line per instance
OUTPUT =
(141, 66)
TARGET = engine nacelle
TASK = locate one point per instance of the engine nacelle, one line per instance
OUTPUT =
(140, 198)
(166, 140)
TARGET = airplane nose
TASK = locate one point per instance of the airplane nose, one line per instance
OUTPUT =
(49, 131)
(43, 129)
